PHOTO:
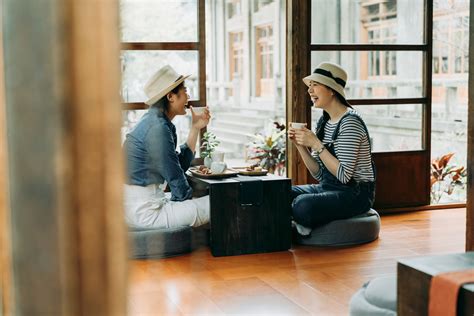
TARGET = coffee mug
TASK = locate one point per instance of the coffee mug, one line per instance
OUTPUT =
(198, 110)
(298, 125)
(218, 166)
(217, 156)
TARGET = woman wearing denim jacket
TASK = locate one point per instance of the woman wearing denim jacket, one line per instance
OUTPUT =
(338, 155)
(152, 161)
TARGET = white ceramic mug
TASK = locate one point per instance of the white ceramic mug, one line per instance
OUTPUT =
(198, 110)
(218, 166)
(217, 156)
(297, 125)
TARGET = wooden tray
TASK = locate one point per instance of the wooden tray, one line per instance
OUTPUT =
(226, 174)
(244, 171)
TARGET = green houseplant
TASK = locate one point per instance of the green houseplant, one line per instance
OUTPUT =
(208, 146)
(445, 177)
(268, 148)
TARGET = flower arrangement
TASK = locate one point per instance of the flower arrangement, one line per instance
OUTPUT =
(445, 177)
(268, 148)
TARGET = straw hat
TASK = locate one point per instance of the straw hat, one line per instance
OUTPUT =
(161, 83)
(330, 75)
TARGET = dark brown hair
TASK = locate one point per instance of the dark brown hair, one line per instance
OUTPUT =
(163, 103)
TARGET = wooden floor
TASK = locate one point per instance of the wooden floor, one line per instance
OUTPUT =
(304, 280)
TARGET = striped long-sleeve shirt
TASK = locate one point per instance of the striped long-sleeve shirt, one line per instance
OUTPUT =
(352, 149)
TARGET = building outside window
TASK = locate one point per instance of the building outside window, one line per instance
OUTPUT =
(264, 61)
(234, 8)
(236, 54)
(245, 57)
(258, 4)
(379, 21)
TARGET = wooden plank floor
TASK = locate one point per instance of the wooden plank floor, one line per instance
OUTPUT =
(304, 280)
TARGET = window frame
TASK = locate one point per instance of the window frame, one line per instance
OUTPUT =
(199, 46)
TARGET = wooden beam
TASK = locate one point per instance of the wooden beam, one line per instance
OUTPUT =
(298, 66)
(161, 46)
(6, 299)
(369, 47)
(470, 143)
(63, 112)
(202, 52)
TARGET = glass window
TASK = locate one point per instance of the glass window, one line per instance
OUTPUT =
(451, 38)
(139, 66)
(159, 20)
(367, 21)
(450, 94)
(391, 127)
(377, 74)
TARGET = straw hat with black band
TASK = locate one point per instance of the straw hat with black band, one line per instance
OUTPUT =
(332, 76)
(161, 83)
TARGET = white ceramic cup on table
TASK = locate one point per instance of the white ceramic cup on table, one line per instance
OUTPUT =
(217, 156)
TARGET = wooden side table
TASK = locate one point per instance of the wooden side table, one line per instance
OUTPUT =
(248, 214)
(414, 279)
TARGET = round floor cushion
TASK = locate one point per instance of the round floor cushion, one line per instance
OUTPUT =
(377, 297)
(159, 242)
(345, 232)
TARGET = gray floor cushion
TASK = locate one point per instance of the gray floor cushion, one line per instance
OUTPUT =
(377, 297)
(345, 232)
(159, 243)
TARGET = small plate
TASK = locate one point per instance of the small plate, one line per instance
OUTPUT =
(244, 171)
(226, 174)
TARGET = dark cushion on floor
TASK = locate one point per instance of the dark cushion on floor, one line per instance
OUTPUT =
(376, 298)
(159, 242)
(345, 232)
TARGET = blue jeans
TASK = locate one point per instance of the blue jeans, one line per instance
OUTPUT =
(317, 204)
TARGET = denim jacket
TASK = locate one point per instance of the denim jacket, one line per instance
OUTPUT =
(151, 156)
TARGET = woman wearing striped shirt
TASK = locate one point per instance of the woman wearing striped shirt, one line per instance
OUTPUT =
(338, 155)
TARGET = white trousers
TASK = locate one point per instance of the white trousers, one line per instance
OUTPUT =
(150, 206)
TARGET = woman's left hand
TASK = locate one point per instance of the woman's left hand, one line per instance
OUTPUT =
(199, 121)
(306, 137)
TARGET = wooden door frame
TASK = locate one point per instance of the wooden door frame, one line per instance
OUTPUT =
(470, 141)
(6, 299)
(298, 62)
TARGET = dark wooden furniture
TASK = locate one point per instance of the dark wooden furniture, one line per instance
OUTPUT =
(248, 214)
(414, 279)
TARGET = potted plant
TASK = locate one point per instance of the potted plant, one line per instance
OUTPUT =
(445, 177)
(269, 148)
(208, 146)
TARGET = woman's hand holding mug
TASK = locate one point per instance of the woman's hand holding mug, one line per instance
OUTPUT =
(200, 117)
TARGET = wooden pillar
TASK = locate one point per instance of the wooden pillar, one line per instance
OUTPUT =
(6, 300)
(65, 164)
(470, 142)
(298, 66)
